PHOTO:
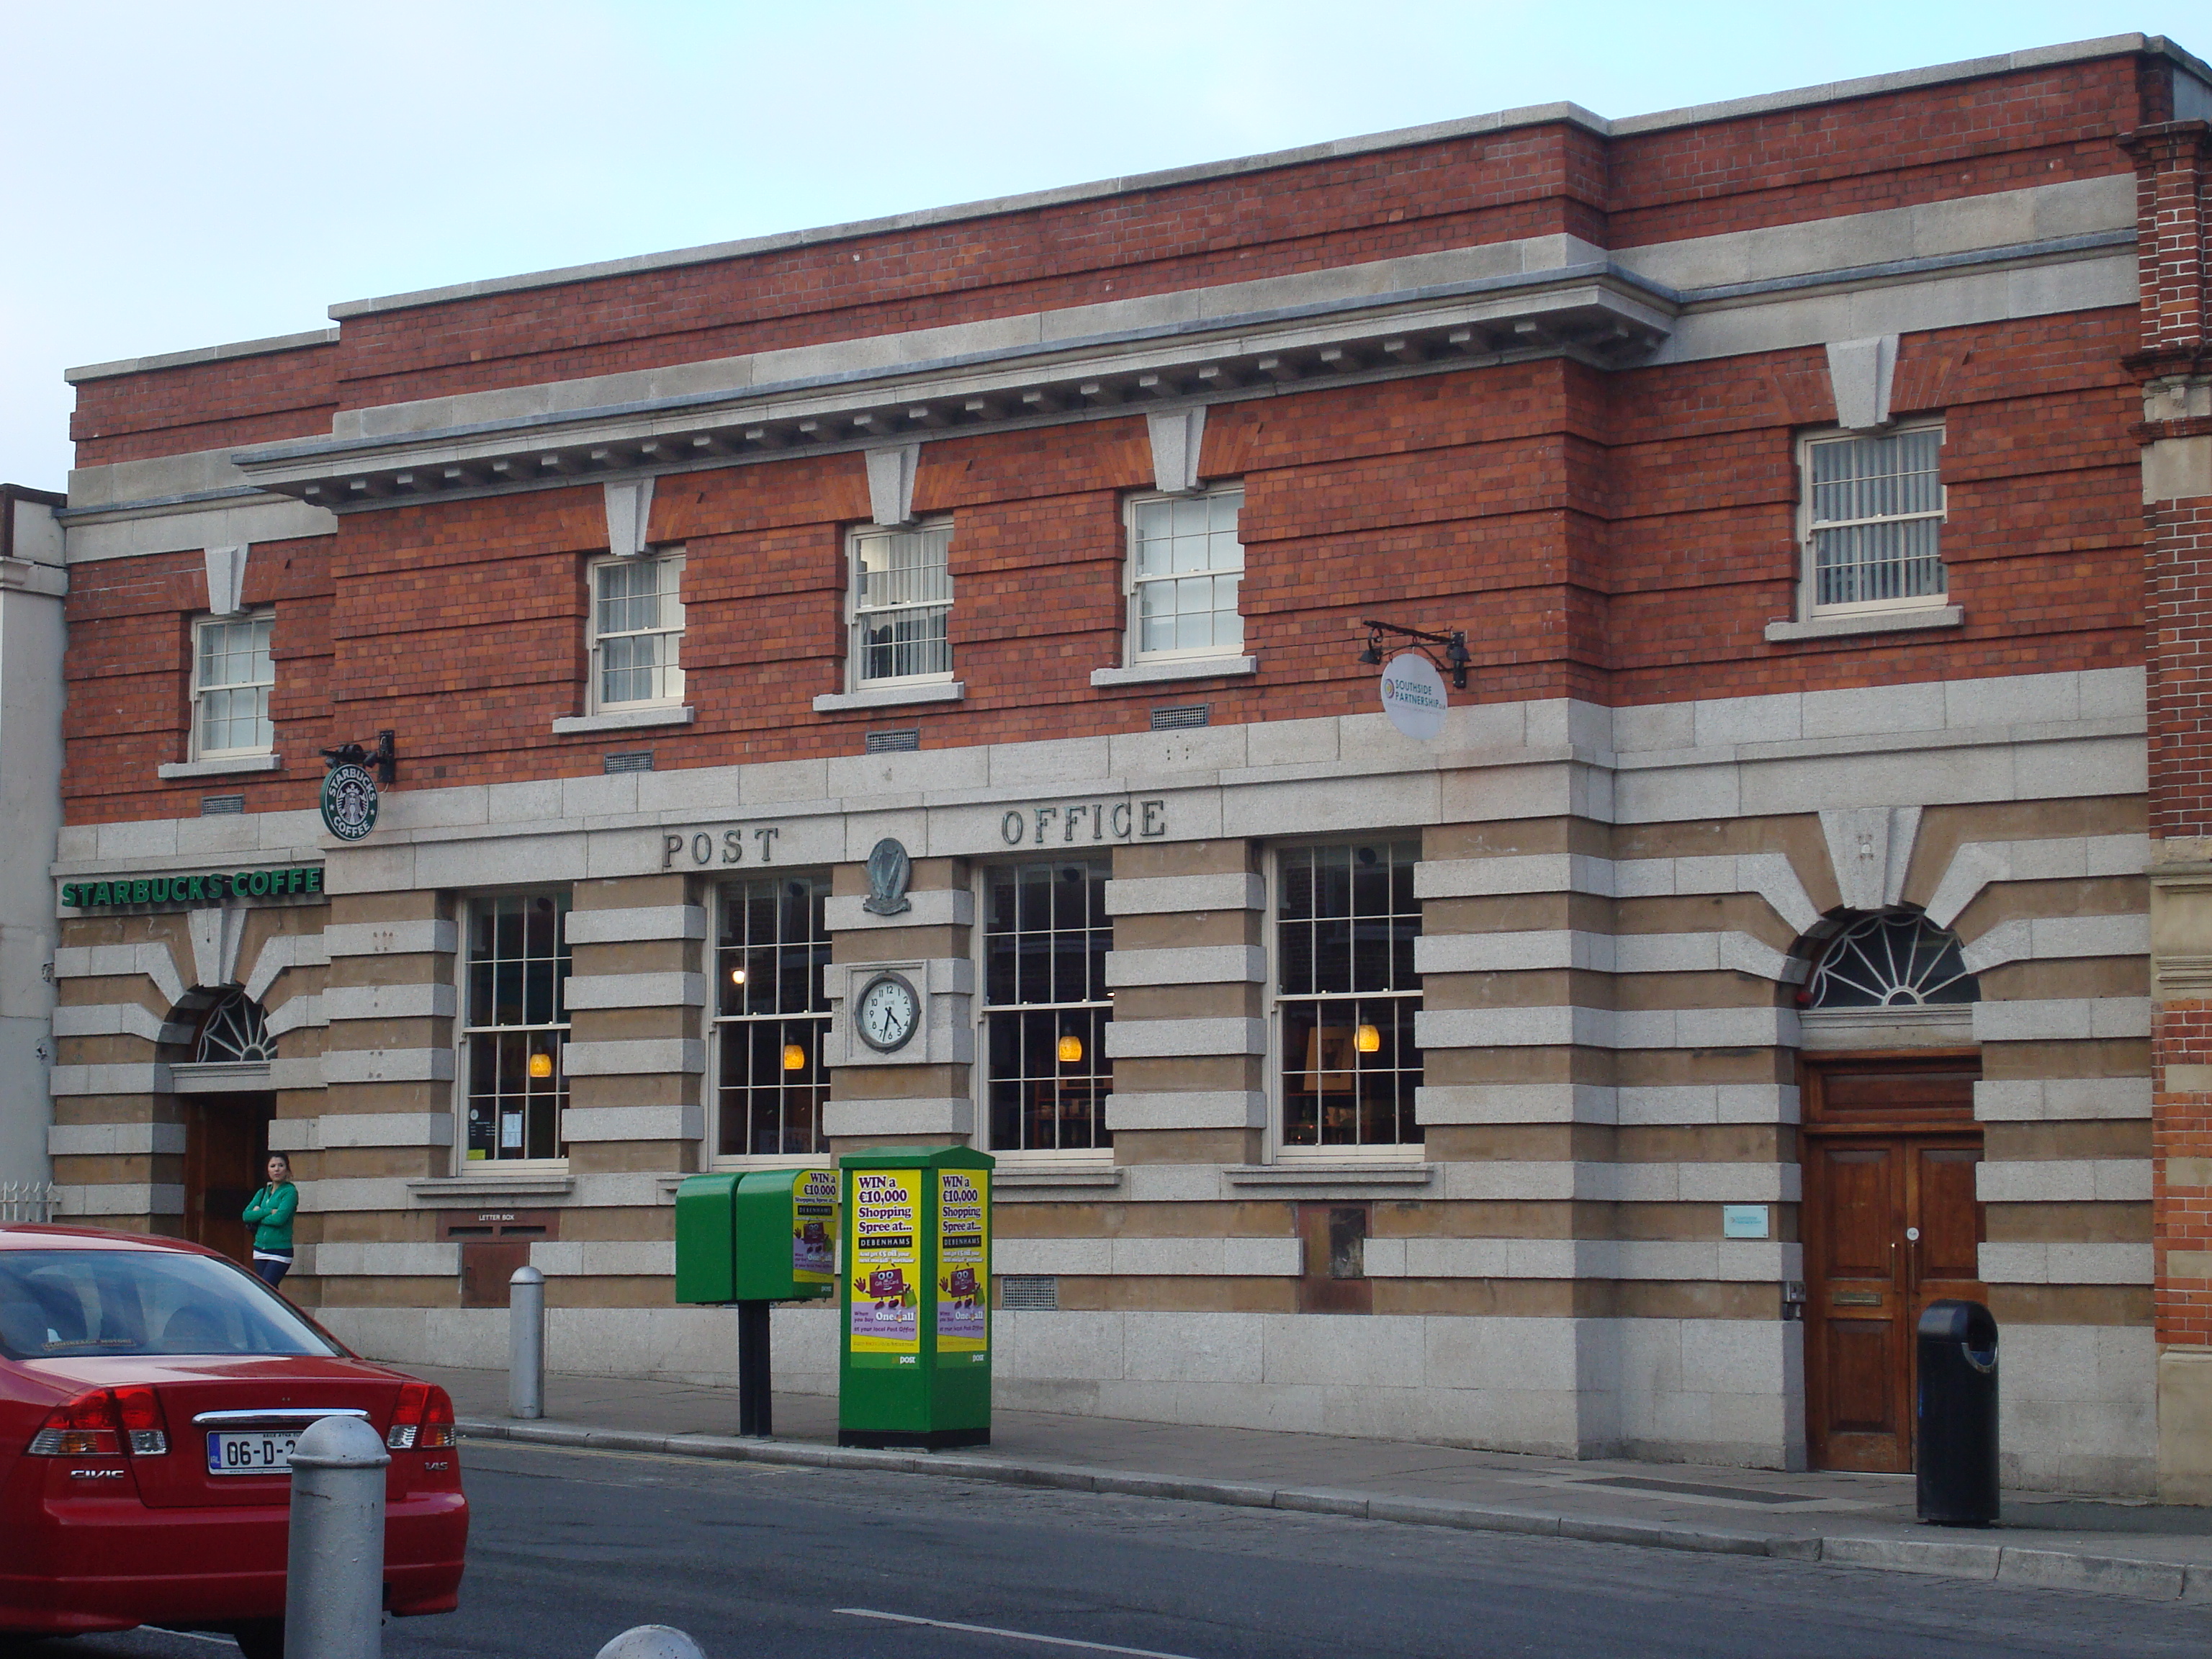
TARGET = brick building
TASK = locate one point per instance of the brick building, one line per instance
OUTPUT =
(1792, 921)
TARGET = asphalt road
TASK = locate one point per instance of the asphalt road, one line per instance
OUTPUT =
(571, 1548)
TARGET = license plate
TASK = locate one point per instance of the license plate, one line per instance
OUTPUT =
(266, 1453)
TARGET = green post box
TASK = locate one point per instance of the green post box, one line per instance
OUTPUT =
(756, 1239)
(915, 1362)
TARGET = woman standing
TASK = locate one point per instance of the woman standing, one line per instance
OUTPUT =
(271, 1210)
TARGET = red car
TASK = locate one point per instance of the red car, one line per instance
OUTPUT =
(150, 1392)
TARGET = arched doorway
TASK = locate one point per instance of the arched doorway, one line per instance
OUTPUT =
(1890, 1220)
(223, 1093)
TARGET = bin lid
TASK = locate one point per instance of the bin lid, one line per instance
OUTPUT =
(1969, 1322)
(917, 1157)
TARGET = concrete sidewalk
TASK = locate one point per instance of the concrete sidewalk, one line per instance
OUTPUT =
(2049, 1540)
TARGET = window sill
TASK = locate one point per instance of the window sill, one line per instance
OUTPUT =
(1046, 1180)
(889, 696)
(1870, 622)
(622, 719)
(1361, 1173)
(1189, 668)
(227, 766)
(539, 1182)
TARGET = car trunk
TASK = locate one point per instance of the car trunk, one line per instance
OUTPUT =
(277, 1391)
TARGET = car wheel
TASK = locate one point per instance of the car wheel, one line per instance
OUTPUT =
(262, 1639)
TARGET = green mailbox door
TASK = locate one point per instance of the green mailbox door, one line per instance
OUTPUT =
(757, 1236)
(915, 1362)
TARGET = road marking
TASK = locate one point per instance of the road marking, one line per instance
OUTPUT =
(192, 1635)
(1010, 1635)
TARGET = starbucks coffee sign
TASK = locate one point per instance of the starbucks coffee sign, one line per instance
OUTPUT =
(349, 801)
(193, 890)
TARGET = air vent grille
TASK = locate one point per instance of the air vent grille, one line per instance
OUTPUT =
(1181, 717)
(1029, 1293)
(631, 760)
(894, 742)
(214, 806)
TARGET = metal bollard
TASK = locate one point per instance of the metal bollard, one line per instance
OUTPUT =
(652, 1642)
(525, 1344)
(334, 1572)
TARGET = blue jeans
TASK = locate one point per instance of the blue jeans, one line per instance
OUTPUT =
(272, 1273)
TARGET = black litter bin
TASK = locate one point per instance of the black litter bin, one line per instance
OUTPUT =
(1956, 1464)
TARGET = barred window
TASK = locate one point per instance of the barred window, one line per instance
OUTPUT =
(1185, 566)
(1046, 1008)
(1873, 512)
(771, 1015)
(637, 631)
(900, 600)
(232, 677)
(1347, 994)
(515, 1024)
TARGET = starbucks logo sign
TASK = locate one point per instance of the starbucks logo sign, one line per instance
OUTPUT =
(348, 802)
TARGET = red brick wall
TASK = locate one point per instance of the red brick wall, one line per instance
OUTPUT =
(1621, 537)
(1624, 537)
(224, 404)
(1897, 150)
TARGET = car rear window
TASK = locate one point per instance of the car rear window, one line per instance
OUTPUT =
(57, 1304)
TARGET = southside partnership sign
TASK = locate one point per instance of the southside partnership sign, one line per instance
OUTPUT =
(214, 888)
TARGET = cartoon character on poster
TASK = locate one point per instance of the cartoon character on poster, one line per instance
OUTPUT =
(963, 1274)
(814, 1229)
(886, 1266)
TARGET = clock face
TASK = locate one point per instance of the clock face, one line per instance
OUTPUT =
(888, 1011)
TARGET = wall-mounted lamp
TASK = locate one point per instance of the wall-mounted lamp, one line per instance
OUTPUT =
(1367, 1040)
(384, 757)
(794, 1057)
(1456, 657)
(541, 1067)
(1071, 1049)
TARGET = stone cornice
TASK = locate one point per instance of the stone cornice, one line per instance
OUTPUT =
(1590, 311)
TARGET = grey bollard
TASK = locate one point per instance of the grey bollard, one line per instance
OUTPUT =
(334, 1570)
(652, 1642)
(525, 1344)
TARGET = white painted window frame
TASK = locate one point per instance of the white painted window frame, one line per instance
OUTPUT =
(671, 561)
(1134, 655)
(713, 1159)
(1073, 1158)
(198, 752)
(1279, 1152)
(457, 1100)
(856, 679)
(1808, 568)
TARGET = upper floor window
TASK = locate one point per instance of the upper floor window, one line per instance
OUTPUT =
(1046, 1007)
(1873, 512)
(515, 1023)
(771, 1013)
(637, 631)
(899, 602)
(1347, 994)
(1185, 565)
(231, 677)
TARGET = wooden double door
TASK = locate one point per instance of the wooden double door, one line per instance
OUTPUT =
(1891, 1224)
(226, 1147)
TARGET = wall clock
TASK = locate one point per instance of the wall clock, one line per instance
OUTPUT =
(887, 1010)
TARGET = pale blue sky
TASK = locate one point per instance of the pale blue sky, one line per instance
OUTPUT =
(181, 175)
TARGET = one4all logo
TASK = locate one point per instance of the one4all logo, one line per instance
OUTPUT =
(348, 802)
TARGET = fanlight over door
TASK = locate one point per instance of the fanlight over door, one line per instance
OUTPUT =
(1891, 959)
(235, 1030)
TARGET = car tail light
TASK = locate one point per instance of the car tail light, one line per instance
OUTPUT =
(423, 1419)
(438, 1420)
(85, 1427)
(139, 1410)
